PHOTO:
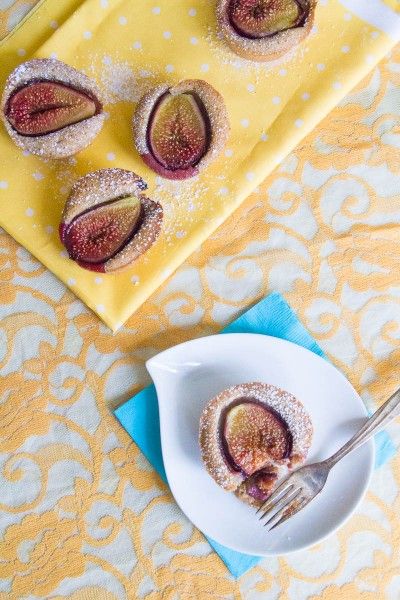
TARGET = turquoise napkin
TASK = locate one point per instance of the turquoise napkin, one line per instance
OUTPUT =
(139, 415)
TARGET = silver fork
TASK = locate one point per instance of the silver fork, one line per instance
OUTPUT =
(301, 486)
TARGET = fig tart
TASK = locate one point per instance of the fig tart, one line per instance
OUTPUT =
(50, 108)
(252, 435)
(265, 30)
(179, 130)
(108, 222)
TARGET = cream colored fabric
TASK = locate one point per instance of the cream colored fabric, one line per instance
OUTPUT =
(82, 514)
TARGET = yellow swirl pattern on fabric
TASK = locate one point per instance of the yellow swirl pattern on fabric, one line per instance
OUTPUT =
(82, 514)
(395, 4)
(128, 47)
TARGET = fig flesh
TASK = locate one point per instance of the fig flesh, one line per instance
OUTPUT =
(42, 107)
(262, 18)
(178, 131)
(253, 435)
(99, 233)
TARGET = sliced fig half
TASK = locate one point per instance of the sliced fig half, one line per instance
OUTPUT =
(254, 434)
(98, 234)
(107, 222)
(178, 130)
(50, 109)
(265, 30)
(45, 106)
(261, 18)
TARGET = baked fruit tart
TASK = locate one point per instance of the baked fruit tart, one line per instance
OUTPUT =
(265, 30)
(252, 435)
(179, 130)
(50, 108)
(108, 222)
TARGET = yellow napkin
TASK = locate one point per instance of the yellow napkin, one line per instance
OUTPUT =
(127, 47)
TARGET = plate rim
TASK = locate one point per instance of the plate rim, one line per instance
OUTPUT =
(321, 360)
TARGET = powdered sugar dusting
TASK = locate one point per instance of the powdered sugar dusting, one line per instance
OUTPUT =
(251, 69)
(120, 83)
(183, 202)
(286, 405)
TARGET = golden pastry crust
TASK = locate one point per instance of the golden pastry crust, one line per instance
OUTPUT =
(289, 409)
(70, 139)
(269, 48)
(216, 112)
(102, 186)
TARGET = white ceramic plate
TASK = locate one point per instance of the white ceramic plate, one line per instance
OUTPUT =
(189, 374)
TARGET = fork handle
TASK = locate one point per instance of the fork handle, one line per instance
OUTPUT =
(388, 411)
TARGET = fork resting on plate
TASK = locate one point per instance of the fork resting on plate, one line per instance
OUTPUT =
(301, 486)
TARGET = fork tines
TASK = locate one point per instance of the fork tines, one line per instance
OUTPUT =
(283, 503)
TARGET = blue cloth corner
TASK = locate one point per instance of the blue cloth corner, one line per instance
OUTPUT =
(139, 415)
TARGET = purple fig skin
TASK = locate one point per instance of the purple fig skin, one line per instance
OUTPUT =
(251, 433)
(255, 19)
(178, 132)
(100, 233)
(108, 222)
(43, 107)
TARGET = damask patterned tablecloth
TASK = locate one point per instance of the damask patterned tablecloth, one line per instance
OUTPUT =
(82, 514)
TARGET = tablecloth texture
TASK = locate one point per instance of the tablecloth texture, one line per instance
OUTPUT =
(140, 416)
(128, 47)
(82, 514)
(272, 316)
